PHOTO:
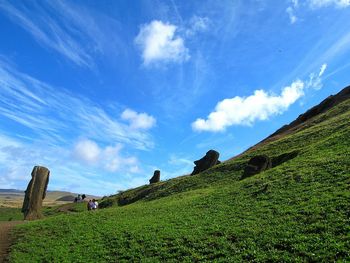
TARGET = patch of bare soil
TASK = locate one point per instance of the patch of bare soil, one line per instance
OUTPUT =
(5, 240)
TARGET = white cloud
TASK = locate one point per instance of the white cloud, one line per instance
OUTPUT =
(259, 106)
(159, 43)
(246, 110)
(138, 120)
(197, 24)
(291, 10)
(322, 69)
(324, 3)
(113, 161)
(313, 4)
(87, 151)
(108, 158)
(315, 79)
(292, 17)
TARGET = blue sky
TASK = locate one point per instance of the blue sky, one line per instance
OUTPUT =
(105, 92)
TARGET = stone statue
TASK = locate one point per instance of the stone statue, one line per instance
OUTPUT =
(210, 159)
(256, 165)
(35, 193)
(155, 178)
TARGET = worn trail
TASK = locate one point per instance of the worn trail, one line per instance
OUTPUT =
(5, 242)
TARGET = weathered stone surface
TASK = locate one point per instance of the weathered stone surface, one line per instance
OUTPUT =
(155, 178)
(210, 159)
(285, 157)
(324, 106)
(256, 165)
(35, 193)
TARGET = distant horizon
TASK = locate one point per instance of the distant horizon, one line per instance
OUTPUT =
(53, 190)
(104, 93)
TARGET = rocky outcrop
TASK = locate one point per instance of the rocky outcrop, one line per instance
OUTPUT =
(210, 159)
(324, 106)
(155, 178)
(256, 165)
(35, 193)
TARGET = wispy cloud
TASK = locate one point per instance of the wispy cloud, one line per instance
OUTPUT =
(259, 106)
(197, 24)
(315, 79)
(313, 5)
(292, 17)
(180, 161)
(338, 47)
(325, 3)
(53, 112)
(291, 10)
(64, 27)
(51, 124)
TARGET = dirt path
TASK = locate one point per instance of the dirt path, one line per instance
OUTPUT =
(5, 242)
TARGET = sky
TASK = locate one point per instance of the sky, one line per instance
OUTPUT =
(104, 92)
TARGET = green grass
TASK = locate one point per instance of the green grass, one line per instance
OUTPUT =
(295, 212)
(10, 214)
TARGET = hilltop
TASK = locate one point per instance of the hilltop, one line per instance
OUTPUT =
(297, 211)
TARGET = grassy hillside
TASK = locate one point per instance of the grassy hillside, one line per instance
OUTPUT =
(13, 213)
(10, 214)
(298, 211)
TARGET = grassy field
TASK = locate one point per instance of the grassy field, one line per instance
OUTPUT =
(13, 213)
(10, 214)
(298, 211)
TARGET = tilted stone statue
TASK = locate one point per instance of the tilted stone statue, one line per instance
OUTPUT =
(210, 159)
(155, 178)
(35, 193)
(256, 165)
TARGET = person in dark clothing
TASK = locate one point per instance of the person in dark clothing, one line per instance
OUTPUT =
(90, 205)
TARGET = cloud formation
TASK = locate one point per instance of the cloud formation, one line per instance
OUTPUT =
(52, 113)
(159, 43)
(324, 3)
(49, 121)
(197, 24)
(138, 120)
(70, 30)
(313, 4)
(257, 107)
(291, 13)
(87, 151)
(109, 158)
(17, 159)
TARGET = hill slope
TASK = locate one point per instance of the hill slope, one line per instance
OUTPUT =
(297, 211)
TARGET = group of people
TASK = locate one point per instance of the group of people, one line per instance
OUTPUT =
(92, 205)
(80, 198)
